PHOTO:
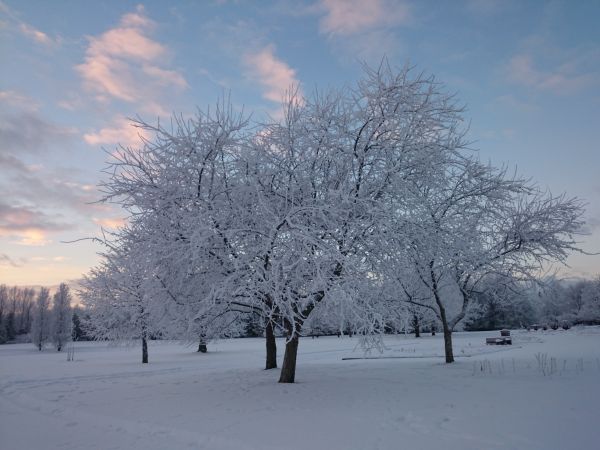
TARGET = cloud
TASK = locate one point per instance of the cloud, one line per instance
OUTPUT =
(125, 64)
(28, 30)
(29, 132)
(275, 76)
(15, 218)
(18, 100)
(345, 17)
(563, 79)
(33, 238)
(26, 184)
(110, 222)
(165, 77)
(35, 34)
(122, 132)
(367, 30)
(23, 129)
(27, 226)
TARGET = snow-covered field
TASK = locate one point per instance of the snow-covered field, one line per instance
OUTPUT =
(502, 397)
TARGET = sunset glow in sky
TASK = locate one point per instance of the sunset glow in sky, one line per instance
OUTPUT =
(74, 71)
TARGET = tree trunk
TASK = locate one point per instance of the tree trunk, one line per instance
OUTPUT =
(202, 345)
(416, 326)
(271, 362)
(288, 369)
(144, 351)
(447, 340)
(442, 313)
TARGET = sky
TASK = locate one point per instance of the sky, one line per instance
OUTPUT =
(73, 72)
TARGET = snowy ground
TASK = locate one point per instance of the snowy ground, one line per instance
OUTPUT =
(491, 398)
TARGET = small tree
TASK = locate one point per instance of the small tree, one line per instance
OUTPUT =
(40, 329)
(61, 317)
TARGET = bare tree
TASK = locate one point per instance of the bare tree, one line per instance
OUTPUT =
(115, 298)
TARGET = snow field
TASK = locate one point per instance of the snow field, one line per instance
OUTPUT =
(493, 397)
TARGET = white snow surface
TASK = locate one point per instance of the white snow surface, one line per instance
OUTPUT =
(493, 397)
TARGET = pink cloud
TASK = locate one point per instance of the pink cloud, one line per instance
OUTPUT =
(28, 226)
(166, 77)
(137, 19)
(35, 34)
(121, 132)
(30, 236)
(109, 76)
(345, 17)
(25, 29)
(127, 43)
(113, 222)
(33, 238)
(273, 74)
(124, 63)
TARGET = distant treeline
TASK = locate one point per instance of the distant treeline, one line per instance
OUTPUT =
(558, 303)
(19, 307)
(496, 306)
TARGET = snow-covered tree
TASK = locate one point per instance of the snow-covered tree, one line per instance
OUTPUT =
(187, 190)
(590, 302)
(469, 222)
(342, 163)
(61, 321)
(40, 329)
(115, 298)
(360, 205)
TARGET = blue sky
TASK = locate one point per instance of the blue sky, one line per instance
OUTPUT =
(73, 71)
